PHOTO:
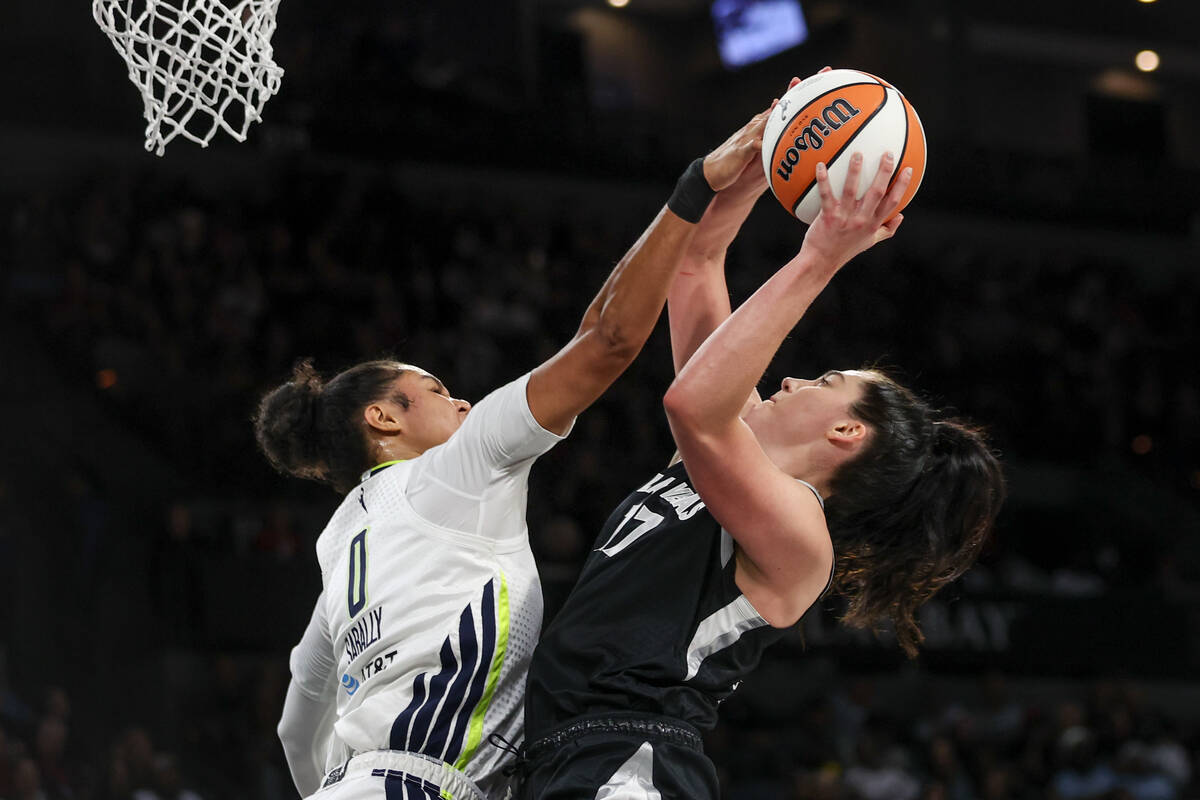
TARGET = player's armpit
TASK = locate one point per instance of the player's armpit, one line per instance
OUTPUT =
(784, 550)
(781, 604)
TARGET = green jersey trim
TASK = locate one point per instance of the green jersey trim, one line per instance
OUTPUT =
(476, 731)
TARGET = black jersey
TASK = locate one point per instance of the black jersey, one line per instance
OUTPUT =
(656, 622)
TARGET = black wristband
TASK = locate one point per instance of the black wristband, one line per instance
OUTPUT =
(692, 193)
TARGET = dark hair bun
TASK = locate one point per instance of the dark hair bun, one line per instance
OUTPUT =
(953, 437)
(286, 424)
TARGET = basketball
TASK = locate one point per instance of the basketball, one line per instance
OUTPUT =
(829, 117)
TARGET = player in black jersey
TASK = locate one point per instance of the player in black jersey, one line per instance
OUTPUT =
(846, 481)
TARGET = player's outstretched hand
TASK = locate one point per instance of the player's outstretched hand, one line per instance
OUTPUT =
(724, 165)
(846, 226)
(734, 165)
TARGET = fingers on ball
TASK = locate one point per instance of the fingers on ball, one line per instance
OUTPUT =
(850, 189)
(878, 187)
(824, 189)
(896, 195)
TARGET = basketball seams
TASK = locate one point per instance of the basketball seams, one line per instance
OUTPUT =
(881, 81)
(883, 133)
(845, 144)
(903, 148)
(911, 119)
(788, 123)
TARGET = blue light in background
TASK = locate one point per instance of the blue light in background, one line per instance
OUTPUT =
(751, 30)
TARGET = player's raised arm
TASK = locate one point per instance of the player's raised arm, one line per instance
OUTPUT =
(776, 521)
(623, 313)
(699, 298)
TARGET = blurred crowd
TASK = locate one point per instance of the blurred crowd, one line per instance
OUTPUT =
(220, 742)
(831, 739)
(845, 743)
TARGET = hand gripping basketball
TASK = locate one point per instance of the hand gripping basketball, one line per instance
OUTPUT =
(724, 164)
(845, 225)
(751, 181)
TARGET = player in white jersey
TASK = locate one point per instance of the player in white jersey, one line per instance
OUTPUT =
(418, 648)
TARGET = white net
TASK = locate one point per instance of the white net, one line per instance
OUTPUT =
(201, 65)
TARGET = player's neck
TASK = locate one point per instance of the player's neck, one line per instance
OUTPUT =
(392, 449)
(808, 462)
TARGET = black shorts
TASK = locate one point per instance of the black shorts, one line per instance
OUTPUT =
(619, 757)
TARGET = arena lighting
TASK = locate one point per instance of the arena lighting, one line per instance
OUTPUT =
(752, 30)
(618, 3)
(1147, 61)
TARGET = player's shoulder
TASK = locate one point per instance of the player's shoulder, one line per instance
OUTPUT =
(346, 522)
(335, 533)
(508, 399)
(377, 496)
(499, 432)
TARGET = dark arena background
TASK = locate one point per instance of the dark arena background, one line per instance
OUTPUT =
(450, 182)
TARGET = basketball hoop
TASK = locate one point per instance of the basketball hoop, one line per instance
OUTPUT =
(200, 65)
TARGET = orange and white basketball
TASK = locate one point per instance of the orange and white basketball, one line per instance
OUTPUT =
(829, 117)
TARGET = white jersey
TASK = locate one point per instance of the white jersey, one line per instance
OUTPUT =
(431, 605)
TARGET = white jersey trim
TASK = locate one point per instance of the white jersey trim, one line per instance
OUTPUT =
(720, 630)
(633, 780)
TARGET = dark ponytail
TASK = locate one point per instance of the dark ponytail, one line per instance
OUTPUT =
(911, 512)
(315, 430)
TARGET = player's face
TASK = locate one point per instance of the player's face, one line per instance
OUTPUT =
(432, 415)
(806, 411)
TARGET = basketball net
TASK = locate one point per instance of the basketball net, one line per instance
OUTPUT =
(201, 65)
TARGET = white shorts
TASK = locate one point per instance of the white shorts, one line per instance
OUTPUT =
(396, 775)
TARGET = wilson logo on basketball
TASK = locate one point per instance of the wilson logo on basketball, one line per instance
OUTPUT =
(812, 136)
